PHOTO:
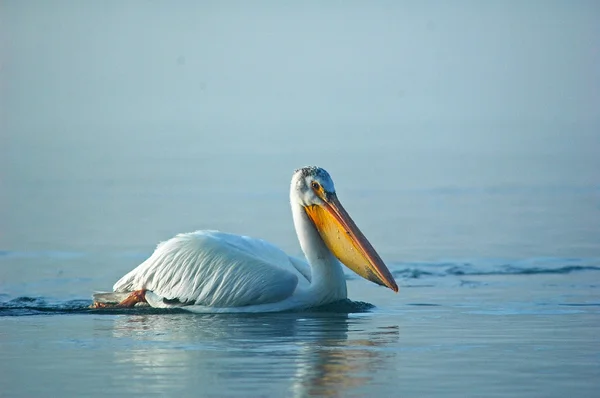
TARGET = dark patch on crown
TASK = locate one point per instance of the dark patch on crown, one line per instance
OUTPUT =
(313, 171)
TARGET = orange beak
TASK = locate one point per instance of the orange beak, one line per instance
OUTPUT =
(346, 241)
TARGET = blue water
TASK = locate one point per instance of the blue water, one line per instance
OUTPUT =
(462, 138)
(528, 329)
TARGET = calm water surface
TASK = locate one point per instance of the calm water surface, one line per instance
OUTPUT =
(493, 326)
(463, 141)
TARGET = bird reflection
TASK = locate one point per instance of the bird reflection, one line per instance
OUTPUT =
(335, 366)
(299, 354)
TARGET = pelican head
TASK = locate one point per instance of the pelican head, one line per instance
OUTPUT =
(313, 189)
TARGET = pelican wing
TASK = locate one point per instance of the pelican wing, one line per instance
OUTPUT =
(216, 269)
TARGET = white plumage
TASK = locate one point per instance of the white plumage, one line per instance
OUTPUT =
(216, 269)
(211, 271)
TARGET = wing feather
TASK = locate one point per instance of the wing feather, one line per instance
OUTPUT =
(216, 269)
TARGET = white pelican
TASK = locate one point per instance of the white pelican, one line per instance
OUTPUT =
(211, 271)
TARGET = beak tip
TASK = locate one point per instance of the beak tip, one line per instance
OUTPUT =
(393, 286)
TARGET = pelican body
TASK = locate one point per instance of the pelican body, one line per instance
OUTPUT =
(211, 271)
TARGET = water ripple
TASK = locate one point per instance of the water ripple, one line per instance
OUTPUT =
(24, 306)
(416, 271)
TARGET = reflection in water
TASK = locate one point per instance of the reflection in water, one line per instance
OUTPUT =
(299, 354)
(334, 366)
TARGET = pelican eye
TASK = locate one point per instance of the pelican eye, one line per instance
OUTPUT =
(315, 185)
